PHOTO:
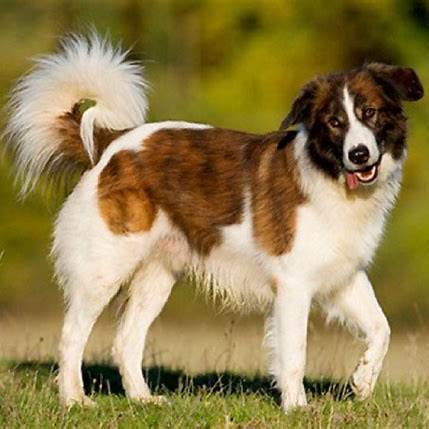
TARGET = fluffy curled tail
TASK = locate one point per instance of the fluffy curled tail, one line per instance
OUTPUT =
(73, 103)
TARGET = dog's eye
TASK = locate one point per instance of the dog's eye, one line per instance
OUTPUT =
(334, 122)
(368, 112)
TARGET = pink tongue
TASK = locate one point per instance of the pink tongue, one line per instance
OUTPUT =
(352, 180)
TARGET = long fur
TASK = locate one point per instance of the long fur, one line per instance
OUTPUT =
(333, 231)
(84, 68)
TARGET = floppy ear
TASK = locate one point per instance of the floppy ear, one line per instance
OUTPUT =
(401, 81)
(301, 106)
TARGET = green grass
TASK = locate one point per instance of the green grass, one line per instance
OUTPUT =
(29, 399)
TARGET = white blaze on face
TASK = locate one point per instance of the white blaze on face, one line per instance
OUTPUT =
(357, 134)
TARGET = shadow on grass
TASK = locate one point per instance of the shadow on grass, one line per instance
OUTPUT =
(105, 379)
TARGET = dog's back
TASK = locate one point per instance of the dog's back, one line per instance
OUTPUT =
(271, 221)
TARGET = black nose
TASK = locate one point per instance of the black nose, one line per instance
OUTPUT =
(359, 154)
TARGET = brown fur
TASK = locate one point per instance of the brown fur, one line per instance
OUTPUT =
(276, 195)
(378, 86)
(388, 112)
(199, 179)
(362, 85)
(71, 148)
(123, 199)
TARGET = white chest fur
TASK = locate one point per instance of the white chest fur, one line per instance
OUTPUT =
(332, 243)
(336, 235)
(338, 232)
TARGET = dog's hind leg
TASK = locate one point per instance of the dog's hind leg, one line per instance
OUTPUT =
(84, 306)
(149, 291)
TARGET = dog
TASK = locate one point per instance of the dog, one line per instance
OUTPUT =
(273, 221)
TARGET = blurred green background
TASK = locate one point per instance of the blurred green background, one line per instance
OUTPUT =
(235, 64)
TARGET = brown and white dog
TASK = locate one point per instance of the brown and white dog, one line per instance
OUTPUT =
(272, 221)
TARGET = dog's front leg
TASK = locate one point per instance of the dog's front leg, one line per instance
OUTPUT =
(289, 336)
(357, 305)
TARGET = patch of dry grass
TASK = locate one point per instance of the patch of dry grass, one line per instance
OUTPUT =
(216, 342)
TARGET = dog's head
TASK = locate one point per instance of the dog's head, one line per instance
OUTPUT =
(355, 119)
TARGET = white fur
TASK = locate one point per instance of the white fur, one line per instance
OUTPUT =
(336, 238)
(84, 68)
(116, 257)
(357, 134)
(92, 263)
(357, 305)
(144, 304)
(337, 233)
(234, 272)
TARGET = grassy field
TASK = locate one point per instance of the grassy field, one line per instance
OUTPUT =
(214, 384)
(29, 399)
(237, 65)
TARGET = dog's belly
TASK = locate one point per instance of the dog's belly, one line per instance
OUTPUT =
(236, 279)
(232, 273)
(236, 270)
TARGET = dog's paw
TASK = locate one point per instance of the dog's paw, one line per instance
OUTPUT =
(363, 382)
(81, 401)
(291, 403)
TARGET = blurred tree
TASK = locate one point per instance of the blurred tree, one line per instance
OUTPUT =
(234, 64)
(131, 28)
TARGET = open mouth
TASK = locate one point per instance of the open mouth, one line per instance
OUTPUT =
(366, 176)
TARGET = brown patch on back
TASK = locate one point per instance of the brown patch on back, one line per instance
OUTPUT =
(122, 198)
(276, 197)
(199, 178)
